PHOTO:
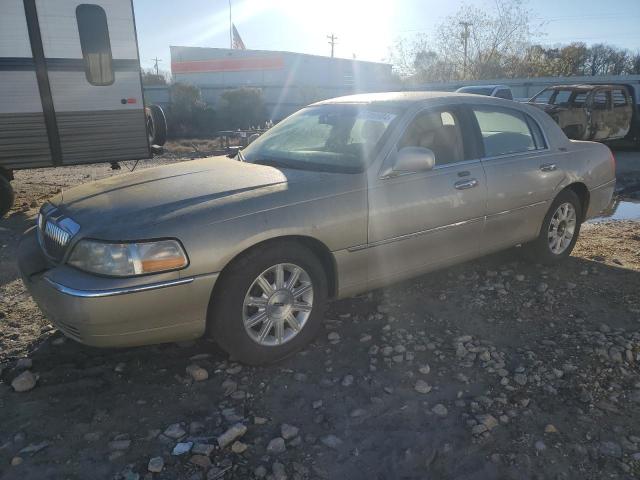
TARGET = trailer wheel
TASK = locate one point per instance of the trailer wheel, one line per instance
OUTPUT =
(156, 125)
(6, 195)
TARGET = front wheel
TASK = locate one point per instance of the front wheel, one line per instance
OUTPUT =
(270, 303)
(559, 232)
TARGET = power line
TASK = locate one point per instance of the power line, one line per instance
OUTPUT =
(155, 66)
(332, 41)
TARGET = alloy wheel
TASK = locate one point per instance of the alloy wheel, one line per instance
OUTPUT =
(278, 304)
(562, 228)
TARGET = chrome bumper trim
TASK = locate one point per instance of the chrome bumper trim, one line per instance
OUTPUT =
(116, 291)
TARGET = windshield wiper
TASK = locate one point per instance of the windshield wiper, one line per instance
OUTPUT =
(240, 156)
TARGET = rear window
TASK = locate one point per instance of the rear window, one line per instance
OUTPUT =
(600, 100)
(507, 132)
(619, 98)
(95, 44)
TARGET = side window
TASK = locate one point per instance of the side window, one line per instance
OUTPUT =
(503, 93)
(619, 98)
(579, 99)
(439, 131)
(95, 44)
(600, 100)
(543, 97)
(504, 132)
(562, 97)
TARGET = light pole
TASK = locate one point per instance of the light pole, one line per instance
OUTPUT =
(230, 28)
(465, 39)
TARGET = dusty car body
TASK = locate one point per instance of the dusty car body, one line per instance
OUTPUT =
(344, 196)
(588, 112)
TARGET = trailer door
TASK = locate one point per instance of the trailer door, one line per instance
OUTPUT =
(91, 56)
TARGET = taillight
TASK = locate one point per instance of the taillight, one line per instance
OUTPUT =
(613, 159)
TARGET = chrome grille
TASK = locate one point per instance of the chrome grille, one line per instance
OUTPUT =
(55, 240)
(55, 232)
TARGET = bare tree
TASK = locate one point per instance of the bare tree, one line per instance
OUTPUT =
(495, 40)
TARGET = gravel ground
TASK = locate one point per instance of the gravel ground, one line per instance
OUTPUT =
(493, 369)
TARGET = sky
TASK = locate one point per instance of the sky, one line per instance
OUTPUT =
(365, 28)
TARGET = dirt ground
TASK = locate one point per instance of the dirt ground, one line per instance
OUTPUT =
(497, 368)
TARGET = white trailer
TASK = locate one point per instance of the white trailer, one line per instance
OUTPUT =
(70, 86)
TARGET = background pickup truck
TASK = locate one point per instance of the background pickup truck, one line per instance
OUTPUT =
(591, 112)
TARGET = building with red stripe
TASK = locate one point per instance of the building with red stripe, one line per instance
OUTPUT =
(288, 80)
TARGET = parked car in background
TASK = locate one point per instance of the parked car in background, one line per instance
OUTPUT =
(344, 196)
(499, 91)
(589, 112)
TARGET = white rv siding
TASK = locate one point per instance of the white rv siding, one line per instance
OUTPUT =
(103, 122)
(59, 28)
(19, 92)
(23, 134)
(71, 91)
(14, 36)
(80, 122)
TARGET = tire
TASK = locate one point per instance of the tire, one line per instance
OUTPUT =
(156, 125)
(6, 196)
(542, 249)
(231, 307)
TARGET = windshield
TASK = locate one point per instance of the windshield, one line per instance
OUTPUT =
(332, 138)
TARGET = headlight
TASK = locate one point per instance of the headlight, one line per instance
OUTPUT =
(128, 259)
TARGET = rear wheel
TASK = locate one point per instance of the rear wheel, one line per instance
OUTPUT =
(559, 232)
(6, 195)
(269, 304)
(156, 125)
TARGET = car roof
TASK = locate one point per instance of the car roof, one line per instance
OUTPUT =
(483, 86)
(585, 86)
(396, 98)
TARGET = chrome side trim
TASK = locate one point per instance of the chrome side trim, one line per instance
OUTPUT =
(604, 185)
(506, 212)
(116, 291)
(414, 234)
(357, 248)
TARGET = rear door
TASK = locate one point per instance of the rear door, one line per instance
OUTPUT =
(522, 173)
(622, 113)
(91, 56)
(601, 114)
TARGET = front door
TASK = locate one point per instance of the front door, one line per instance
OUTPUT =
(418, 221)
(91, 59)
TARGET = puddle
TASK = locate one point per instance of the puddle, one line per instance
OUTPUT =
(620, 210)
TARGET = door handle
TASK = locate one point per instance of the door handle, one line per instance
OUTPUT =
(465, 184)
(548, 167)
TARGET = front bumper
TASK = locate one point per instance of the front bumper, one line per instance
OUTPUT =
(108, 312)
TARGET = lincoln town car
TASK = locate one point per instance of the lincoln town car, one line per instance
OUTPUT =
(344, 196)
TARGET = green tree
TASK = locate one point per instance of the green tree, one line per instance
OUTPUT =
(242, 108)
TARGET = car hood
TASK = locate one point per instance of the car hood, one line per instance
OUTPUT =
(158, 194)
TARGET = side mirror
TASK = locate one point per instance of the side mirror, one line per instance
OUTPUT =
(414, 159)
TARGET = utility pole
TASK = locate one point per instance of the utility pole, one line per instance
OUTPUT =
(465, 39)
(155, 66)
(230, 28)
(332, 41)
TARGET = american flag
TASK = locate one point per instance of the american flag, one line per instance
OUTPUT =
(238, 44)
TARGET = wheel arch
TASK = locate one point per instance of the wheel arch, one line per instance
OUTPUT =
(321, 251)
(581, 190)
